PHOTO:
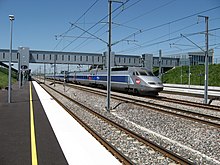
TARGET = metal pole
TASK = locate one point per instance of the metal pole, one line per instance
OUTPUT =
(206, 64)
(189, 71)
(54, 70)
(44, 72)
(160, 54)
(181, 69)
(19, 69)
(11, 17)
(109, 58)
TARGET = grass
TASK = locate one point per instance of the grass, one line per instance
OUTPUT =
(197, 77)
(4, 77)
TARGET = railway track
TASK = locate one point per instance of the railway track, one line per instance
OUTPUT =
(209, 119)
(114, 136)
(189, 103)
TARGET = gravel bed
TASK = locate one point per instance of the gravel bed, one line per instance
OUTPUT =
(195, 141)
(138, 152)
(188, 98)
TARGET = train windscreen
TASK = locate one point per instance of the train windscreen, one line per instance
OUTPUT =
(146, 73)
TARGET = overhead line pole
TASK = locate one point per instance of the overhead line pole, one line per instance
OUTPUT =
(206, 58)
(109, 58)
(206, 62)
(109, 55)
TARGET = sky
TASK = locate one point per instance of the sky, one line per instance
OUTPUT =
(138, 26)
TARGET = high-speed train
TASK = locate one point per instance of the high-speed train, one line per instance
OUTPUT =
(135, 80)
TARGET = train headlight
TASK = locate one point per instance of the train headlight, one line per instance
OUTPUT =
(138, 81)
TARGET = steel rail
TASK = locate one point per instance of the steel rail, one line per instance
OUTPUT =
(158, 107)
(122, 158)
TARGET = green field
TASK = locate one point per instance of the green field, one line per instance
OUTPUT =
(197, 77)
(4, 77)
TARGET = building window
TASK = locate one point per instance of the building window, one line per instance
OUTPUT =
(98, 59)
(3, 55)
(30, 57)
(74, 58)
(50, 56)
(80, 58)
(68, 57)
(43, 56)
(37, 56)
(87, 58)
(17, 55)
(119, 60)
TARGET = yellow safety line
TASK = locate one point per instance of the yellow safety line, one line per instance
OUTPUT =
(33, 140)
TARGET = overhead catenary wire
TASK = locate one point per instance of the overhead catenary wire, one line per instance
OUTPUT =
(171, 22)
(166, 40)
(103, 25)
(133, 35)
(148, 12)
(71, 28)
(95, 25)
(113, 23)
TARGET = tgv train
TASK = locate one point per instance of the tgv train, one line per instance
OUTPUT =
(136, 80)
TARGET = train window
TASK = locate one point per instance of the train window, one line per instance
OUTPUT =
(120, 69)
(146, 73)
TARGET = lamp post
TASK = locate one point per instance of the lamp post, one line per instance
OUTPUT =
(11, 17)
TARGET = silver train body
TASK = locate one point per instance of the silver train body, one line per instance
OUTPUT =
(135, 80)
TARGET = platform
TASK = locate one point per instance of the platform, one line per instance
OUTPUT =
(36, 130)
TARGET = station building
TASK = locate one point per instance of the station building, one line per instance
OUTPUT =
(195, 58)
